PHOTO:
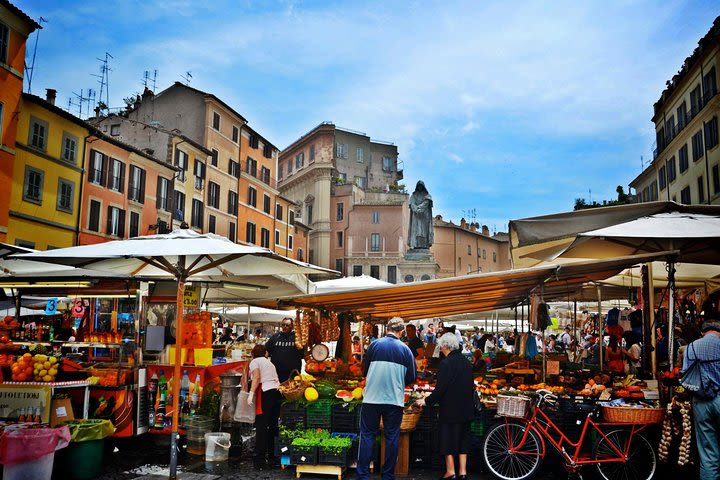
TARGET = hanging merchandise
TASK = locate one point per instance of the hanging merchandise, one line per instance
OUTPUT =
(543, 316)
(531, 349)
(533, 311)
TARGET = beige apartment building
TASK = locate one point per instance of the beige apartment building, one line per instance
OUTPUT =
(468, 248)
(685, 166)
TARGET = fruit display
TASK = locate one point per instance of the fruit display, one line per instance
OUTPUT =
(45, 368)
(6, 359)
(22, 370)
(345, 395)
(311, 394)
(329, 327)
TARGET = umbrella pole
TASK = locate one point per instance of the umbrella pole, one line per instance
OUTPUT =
(176, 374)
(671, 314)
(600, 326)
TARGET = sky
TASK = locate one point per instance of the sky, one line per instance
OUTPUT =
(505, 109)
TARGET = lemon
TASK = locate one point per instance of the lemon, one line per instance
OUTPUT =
(52, 360)
(43, 372)
(52, 371)
(357, 393)
(47, 365)
(311, 394)
(47, 378)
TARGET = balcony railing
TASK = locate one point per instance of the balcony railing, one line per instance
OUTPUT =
(675, 130)
(262, 175)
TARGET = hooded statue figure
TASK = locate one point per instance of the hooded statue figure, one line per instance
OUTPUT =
(420, 233)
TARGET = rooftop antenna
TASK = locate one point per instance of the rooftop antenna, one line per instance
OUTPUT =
(81, 99)
(642, 163)
(187, 77)
(104, 81)
(470, 214)
(147, 79)
(30, 69)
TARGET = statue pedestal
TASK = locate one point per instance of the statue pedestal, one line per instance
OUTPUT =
(419, 255)
(418, 264)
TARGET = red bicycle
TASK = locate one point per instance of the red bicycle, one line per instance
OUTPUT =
(514, 449)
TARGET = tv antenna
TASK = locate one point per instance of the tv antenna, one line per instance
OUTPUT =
(30, 69)
(187, 77)
(104, 80)
(86, 99)
(471, 215)
(148, 79)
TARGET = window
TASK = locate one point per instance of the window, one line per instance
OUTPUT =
(38, 134)
(343, 178)
(65, 195)
(392, 274)
(387, 165)
(701, 189)
(69, 147)
(309, 214)
(216, 121)
(278, 211)
(266, 203)
(709, 85)
(267, 151)
(670, 128)
(183, 163)
(301, 255)
(32, 192)
(115, 222)
(494, 256)
(251, 167)
(211, 223)
(375, 242)
(134, 225)
(299, 160)
(484, 254)
(235, 134)
(280, 171)
(357, 270)
(289, 166)
(214, 157)
(234, 168)
(359, 154)
(252, 197)
(361, 182)
(653, 191)
(339, 239)
(683, 158)
(277, 237)
(311, 156)
(716, 179)
(291, 217)
(290, 242)
(232, 203)
(662, 178)
(196, 217)
(94, 217)
(685, 195)
(469, 250)
(339, 215)
(115, 130)
(682, 115)
(232, 232)
(179, 204)
(250, 232)
(375, 217)
(199, 172)
(4, 43)
(213, 195)
(695, 101)
(265, 237)
(254, 141)
(697, 146)
(163, 190)
(341, 150)
(671, 169)
(136, 185)
(711, 133)
(265, 175)
(339, 265)
(375, 271)
(117, 175)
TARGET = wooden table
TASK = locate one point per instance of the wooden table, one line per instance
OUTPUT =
(403, 462)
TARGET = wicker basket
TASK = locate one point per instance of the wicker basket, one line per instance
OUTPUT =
(293, 390)
(633, 415)
(515, 407)
(409, 421)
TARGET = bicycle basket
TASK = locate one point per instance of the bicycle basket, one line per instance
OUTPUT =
(515, 407)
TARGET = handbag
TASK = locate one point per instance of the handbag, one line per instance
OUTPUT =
(693, 379)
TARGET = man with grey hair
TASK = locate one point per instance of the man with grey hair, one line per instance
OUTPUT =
(388, 366)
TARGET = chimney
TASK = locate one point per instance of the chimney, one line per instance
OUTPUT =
(51, 95)
(463, 223)
(485, 230)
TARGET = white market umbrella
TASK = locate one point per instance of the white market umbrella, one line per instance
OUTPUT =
(251, 314)
(183, 255)
(348, 283)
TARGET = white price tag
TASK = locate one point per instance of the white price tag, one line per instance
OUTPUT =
(302, 458)
(60, 412)
(284, 449)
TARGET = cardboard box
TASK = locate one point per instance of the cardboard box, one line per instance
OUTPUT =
(60, 410)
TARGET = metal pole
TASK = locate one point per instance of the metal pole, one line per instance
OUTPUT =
(575, 330)
(600, 326)
(177, 371)
(671, 314)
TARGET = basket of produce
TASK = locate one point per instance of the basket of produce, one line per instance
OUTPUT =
(512, 406)
(411, 417)
(293, 388)
(632, 414)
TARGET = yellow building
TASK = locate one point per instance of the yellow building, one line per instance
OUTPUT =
(48, 175)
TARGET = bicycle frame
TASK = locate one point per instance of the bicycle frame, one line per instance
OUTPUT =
(546, 429)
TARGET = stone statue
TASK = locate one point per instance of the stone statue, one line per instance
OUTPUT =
(420, 233)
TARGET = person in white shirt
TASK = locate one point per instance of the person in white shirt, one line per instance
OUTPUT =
(264, 386)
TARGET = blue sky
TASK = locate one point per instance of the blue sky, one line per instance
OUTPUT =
(513, 109)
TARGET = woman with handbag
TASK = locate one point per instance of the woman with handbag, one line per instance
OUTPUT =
(264, 387)
(455, 392)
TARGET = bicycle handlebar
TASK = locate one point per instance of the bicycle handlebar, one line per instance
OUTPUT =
(545, 394)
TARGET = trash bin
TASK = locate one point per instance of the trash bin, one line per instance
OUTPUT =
(27, 451)
(83, 459)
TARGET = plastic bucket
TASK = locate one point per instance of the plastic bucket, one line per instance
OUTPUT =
(40, 469)
(217, 446)
(82, 460)
(197, 427)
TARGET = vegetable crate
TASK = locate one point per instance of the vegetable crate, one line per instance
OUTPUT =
(292, 415)
(304, 455)
(344, 420)
(282, 447)
(319, 414)
(423, 448)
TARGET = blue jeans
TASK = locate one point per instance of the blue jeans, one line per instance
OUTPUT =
(370, 415)
(707, 432)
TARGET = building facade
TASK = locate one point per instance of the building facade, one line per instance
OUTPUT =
(15, 27)
(685, 166)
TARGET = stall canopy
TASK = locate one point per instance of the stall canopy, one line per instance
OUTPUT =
(348, 283)
(471, 293)
(609, 232)
(252, 314)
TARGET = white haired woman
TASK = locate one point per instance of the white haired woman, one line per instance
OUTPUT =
(454, 393)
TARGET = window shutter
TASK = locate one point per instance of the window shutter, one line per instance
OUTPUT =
(141, 197)
(121, 226)
(122, 177)
(92, 161)
(108, 229)
(157, 193)
(186, 165)
(177, 157)
(105, 172)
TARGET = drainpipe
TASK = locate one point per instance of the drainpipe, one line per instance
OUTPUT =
(82, 188)
(454, 252)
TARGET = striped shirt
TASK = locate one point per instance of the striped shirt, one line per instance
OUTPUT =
(707, 350)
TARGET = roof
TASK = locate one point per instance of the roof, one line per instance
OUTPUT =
(265, 141)
(20, 14)
(443, 224)
(204, 94)
(470, 293)
(327, 126)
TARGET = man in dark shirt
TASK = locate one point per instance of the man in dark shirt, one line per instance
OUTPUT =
(282, 350)
(413, 341)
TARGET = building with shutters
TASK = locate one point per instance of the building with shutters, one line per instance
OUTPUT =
(686, 158)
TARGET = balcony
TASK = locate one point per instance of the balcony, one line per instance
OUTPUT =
(665, 140)
(262, 175)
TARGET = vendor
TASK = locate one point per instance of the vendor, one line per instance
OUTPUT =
(227, 335)
(417, 347)
(283, 353)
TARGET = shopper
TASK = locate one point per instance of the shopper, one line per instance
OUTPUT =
(454, 393)
(264, 388)
(283, 353)
(616, 356)
(417, 347)
(430, 335)
(632, 362)
(388, 366)
(703, 357)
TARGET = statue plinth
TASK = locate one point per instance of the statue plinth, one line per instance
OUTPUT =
(419, 255)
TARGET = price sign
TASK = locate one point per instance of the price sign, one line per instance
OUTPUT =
(191, 297)
(51, 307)
(78, 308)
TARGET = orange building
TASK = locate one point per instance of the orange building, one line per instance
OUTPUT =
(15, 27)
(127, 193)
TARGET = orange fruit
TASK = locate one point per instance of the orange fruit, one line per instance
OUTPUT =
(21, 377)
(28, 371)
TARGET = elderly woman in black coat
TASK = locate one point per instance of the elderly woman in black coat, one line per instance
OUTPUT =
(454, 392)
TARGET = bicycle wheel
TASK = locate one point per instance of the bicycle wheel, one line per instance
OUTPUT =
(640, 463)
(517, 465)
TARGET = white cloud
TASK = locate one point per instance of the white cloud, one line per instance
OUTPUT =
(455, 158)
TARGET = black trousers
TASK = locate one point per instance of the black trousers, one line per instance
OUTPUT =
(266, 425)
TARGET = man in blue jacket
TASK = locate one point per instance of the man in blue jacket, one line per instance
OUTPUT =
(389, 366)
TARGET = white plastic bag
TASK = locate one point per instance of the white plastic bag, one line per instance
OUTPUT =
(244, 413)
